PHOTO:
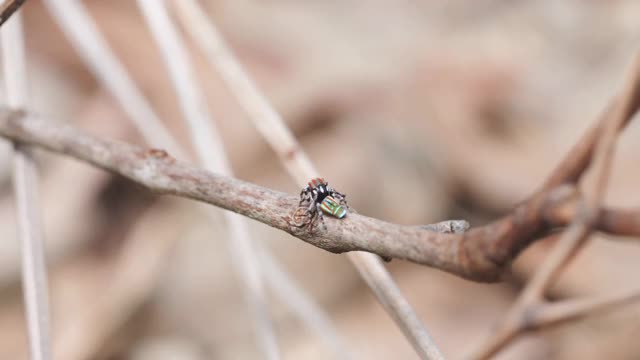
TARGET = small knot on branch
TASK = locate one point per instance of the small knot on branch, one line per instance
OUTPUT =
(448, 227)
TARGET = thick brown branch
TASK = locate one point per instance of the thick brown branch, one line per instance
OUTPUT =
(586, 217)
(479, 254)
(160, 173)
(157, 171)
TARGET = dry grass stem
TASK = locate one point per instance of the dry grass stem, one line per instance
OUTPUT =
(129, 278)
(212, 155)
(303, 305)
(263, 116)
(84, 35)
(275, 131)
(74, 20)
(25, 184)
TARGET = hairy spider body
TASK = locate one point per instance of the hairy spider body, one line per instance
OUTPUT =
(319, 197)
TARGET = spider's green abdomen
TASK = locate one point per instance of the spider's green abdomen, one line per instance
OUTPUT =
(332, 207)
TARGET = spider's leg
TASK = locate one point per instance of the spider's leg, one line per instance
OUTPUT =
(304, 196)
(342, 198)
(314, 214)
(312, 207)
(314, 197)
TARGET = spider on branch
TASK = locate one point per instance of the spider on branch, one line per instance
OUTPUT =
(318, 197)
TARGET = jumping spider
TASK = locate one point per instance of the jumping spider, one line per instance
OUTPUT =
(318, 197)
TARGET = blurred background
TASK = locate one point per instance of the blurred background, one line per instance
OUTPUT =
(419, 111)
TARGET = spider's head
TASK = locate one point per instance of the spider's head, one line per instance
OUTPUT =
(314, 183)
(321, 191)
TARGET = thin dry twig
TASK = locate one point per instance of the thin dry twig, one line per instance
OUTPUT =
(518, 320)
(25, 175)
(303, 304)
(390, 297)
(623, 222)
(84, 35)
(265, 118)
(8, 8)
(129, 278)
(273, 128)
(74, 20)
(82, 31)
(557, 313)
(211, 154)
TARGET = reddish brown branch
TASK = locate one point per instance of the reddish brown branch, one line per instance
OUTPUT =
(622, 222)
(480, 254)
(600, 143)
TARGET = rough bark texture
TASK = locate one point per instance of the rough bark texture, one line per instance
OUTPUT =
(480, 254)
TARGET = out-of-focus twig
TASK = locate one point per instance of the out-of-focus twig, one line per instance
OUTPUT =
(262, 114)
(82, 32)
(564, 203)
(8, 8)
(128, 278)
(211, 154)
(390, 297)
(532, 297)
(84, 35)
(303, 304)
(556, 313)
(272, 127)
(25, 183)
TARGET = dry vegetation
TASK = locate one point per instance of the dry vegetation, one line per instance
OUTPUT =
(506, 114)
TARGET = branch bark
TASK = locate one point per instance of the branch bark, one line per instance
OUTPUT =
(478, 254)
(582, 225)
